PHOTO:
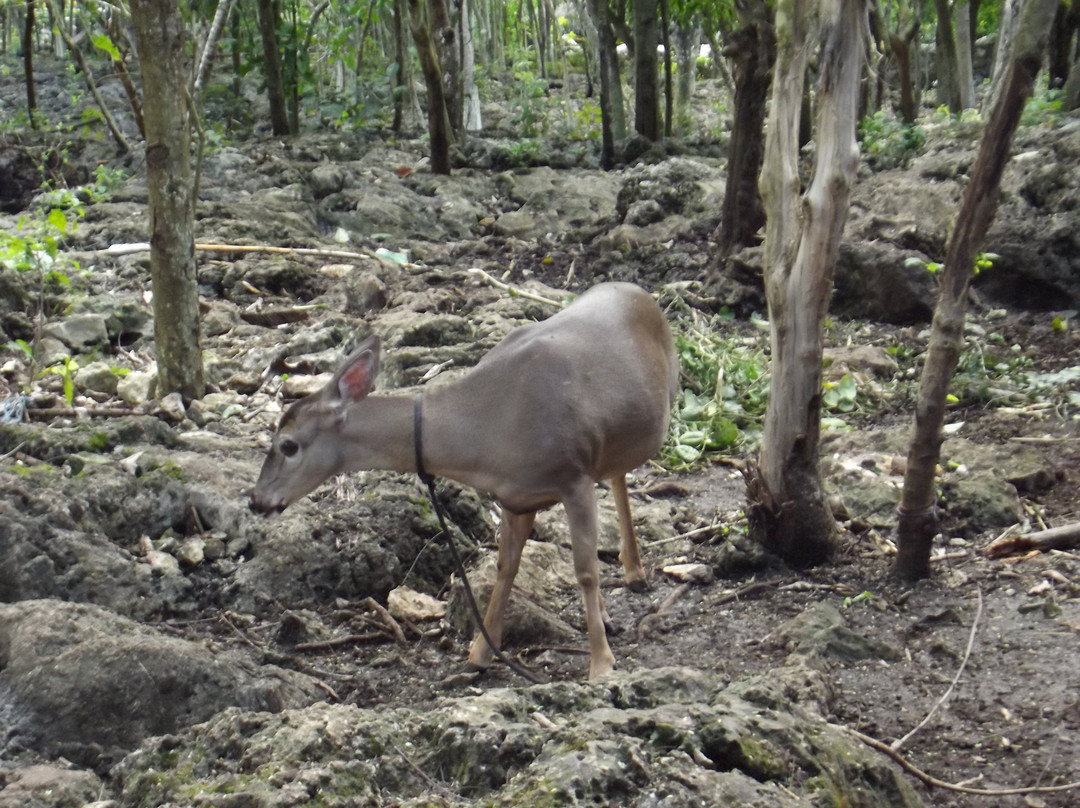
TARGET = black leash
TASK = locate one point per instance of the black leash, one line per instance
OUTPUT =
(429, 480)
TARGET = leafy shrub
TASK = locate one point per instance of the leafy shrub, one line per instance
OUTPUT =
(888, 143)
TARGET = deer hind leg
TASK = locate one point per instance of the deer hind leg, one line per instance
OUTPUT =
(628, 552)
(581, 514)
(513, 532)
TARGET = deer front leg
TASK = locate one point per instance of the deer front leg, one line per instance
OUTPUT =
(514, 530)
(581, 514)
(628, 552)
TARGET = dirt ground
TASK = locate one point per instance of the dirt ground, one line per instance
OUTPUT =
(1013, 625)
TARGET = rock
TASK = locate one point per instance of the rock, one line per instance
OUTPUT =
(326, 179)
(137, 387)
(407, 604)
(364, 292)
(981, 501)
(820, 631)
(871, 359)
(626, 740)
(221, 318)
(645, 211)
(190, 551)
(353, 557)
(173, 408)
(89, 685)
(48, 786)
(690, 573)
(97, 377)
(298, 386)
(80, 333)
(875, 280)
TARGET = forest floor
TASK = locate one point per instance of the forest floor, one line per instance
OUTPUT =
(1010, 628)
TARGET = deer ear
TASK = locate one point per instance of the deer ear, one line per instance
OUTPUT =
(356, 377)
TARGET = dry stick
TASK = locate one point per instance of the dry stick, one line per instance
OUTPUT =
(896, 745)
(79, 412)
(328, 689)
(515, 292)
(438, 787)
(930, 780)
(143, 246)
(688, 534)
(644, 625)
(387, 618)
(338, 642)
(749, 589)
(1055, 538)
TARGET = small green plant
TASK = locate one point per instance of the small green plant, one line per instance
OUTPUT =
(1044, 107)
(841, 396)
(530, 103)
(65, 369)
(724, 396)
(106, 182)
(24, 252)
(983, 262)
(889, 143)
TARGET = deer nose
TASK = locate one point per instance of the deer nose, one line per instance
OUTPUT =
(264, 508)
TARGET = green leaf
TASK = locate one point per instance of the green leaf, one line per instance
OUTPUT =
(58, 219)
(102, 42)
(686, 453)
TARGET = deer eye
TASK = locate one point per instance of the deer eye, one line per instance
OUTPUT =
(288, 447)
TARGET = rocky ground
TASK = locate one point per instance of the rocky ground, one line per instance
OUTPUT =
(160, 645)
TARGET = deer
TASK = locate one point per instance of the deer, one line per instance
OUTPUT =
(557, 406)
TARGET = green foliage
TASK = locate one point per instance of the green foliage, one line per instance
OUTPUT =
(530, 103)
(723, 401)
(841, 396)
(106, 182)
(104, 43)
(65, 369)
(983, 262)
(889, 143)
(1044, 107)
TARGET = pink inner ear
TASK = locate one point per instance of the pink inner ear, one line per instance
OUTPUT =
(355, 382)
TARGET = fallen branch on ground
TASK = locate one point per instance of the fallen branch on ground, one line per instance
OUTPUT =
(143, 246)
(645, 625)
(514, 291)
(930, 780)
(1065, 537)
(897, 744)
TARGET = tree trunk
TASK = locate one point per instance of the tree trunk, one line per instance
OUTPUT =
(900, 43)
(403, 60)
(159, 29)
(275, 86)
(965, 77)
(751, 49)
(1008, 22)
(787, 510)
(447, 47)
(1062, 36)
(687, 37)
(473, 119)
(439, 130)
(948, 78)
(917, 522)
(28, 64)
(646, 95)
(221, 14)
(669, 92)
(1072, 86)
(610, 94)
